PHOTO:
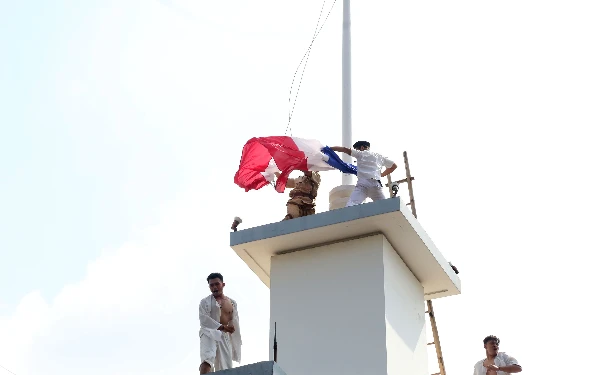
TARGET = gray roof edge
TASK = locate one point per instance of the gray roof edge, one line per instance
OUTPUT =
(258, 368)
(321, 219)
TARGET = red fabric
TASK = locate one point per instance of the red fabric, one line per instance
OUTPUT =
(257, 154)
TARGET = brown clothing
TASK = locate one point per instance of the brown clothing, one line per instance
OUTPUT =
(302, 196)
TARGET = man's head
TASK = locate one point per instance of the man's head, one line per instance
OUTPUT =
(215, 284)
(491, 345)
(361, 145)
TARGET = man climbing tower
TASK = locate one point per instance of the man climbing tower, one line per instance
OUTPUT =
(302, 195)
(368, 165)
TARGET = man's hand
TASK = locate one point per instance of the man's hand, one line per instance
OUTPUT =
(230, 329)
(227, 328)
(492, 369)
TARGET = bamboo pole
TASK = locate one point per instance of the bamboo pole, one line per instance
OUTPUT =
(436, 337)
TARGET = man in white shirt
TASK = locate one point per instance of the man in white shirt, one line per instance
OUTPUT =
(220, 338)
(368, 166)
(495, 363)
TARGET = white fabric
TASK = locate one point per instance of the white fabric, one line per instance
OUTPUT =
(369, 164)
(365, 188)
(315, 159)
(218, 347)
(269, 173)
(217, 353)
(501, 360)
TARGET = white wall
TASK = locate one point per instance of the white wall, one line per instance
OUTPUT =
(352, 307)
(329, 306)
(405, 317)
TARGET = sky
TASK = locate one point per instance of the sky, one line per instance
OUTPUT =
(122, 125)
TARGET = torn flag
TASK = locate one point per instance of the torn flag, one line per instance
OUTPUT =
(262, 157)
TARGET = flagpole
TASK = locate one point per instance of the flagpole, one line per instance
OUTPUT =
(347, 179)
(339, 195)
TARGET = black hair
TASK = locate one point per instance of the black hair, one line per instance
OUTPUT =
(491, 338)
(214, 276)
(358, 144)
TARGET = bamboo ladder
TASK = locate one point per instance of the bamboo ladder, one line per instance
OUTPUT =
(436, 339)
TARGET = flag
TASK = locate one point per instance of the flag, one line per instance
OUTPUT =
(263, 156)
(335, 161)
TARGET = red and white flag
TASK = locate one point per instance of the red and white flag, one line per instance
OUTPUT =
(263, 156)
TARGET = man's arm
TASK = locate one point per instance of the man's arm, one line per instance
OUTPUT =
(206, 321)
(389, 165)
(512, 364)
(345, 150)
(389, 170)
(510, 368)
(290, 183)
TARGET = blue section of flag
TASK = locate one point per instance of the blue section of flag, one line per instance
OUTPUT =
(336, 162)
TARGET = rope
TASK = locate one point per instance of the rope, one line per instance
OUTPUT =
(305, 60)
(7, 370)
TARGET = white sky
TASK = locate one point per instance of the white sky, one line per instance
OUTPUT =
(495, 103)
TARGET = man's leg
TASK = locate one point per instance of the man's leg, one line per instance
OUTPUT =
(208, 349)
(358, 195)
(205, 368)
(308, 209)
(375, 191)
(224, 358)
(293, 211)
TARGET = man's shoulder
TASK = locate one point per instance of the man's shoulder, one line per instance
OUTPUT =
(206, 299)
(505, 356)
(378, 155)
(480, 362)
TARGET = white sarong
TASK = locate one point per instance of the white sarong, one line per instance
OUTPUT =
(217, 348)
(365, 188)
(217, 353)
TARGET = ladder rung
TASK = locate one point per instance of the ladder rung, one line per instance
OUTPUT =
(437, 373)
(430, 343)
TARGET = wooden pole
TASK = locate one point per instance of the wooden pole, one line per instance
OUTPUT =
(409, 181)
(436, 337)
(389, 184)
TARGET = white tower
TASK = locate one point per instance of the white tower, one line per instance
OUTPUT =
(348, 288)
(348, 285)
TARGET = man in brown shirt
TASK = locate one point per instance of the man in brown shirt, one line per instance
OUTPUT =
(302, 195)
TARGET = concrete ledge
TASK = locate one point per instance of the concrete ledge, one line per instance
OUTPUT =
(282, 228)
(389, 217)
(259, 368)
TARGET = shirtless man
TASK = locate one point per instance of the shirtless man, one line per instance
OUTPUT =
(495, 362)
(220, 338)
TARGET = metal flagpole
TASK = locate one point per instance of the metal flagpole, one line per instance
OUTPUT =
(347, 179)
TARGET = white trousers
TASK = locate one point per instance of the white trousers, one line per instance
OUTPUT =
(217, 353)
(365, 188)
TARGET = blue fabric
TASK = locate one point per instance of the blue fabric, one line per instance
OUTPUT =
(336, 162)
